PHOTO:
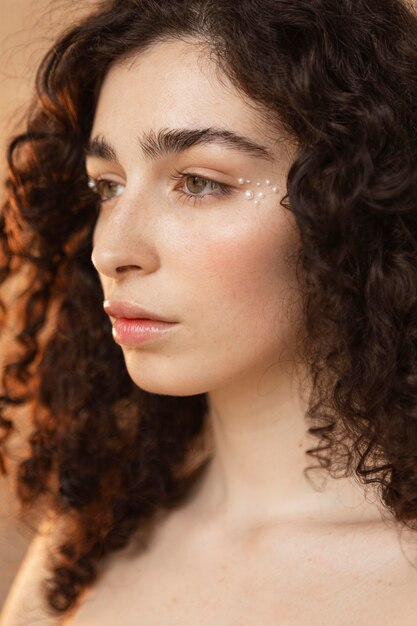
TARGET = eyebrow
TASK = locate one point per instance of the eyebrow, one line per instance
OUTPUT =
(168, 141)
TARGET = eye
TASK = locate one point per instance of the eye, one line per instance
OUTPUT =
(104, 188)
(197, 184)
(194, 186)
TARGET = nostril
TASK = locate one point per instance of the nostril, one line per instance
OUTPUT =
(124, 268)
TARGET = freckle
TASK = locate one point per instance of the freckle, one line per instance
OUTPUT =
(241, 181)
(249, 194)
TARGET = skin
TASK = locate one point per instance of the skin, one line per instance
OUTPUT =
(222, 269)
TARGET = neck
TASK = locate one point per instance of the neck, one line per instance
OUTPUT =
(259, 439)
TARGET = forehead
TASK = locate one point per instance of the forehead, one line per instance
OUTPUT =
(174, 84)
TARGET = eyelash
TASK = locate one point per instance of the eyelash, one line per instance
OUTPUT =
(224, 190)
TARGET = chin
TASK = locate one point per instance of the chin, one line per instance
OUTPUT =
(165, 383)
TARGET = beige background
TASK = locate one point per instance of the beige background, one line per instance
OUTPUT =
(27, 28)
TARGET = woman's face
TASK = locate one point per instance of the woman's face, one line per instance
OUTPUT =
(198, 249)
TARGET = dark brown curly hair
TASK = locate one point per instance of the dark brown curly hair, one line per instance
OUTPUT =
(340, 78)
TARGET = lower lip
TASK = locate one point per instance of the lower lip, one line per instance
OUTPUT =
(134, 332)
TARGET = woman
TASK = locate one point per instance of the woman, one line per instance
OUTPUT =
(244, 174)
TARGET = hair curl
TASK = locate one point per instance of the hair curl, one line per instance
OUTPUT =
(340, 78)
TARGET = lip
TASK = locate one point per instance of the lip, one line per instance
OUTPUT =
(133, 332)
(131, 311)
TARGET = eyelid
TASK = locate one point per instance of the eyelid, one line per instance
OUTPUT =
(91, 180)
(178, 175)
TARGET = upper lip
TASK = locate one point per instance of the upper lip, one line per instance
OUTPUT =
(124, 308)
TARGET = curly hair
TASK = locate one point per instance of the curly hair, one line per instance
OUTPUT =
(340, 78)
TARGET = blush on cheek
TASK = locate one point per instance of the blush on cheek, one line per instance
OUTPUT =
(255, 278)
(244, 272)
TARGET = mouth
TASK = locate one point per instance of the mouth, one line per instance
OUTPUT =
(135, 331)
(124, 309)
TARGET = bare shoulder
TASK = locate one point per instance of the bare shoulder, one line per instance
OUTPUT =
(25, 603)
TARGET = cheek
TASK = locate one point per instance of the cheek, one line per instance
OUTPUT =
(246, 276)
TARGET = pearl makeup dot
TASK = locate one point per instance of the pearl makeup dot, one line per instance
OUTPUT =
(257, 195)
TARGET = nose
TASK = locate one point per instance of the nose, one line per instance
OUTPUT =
(124, 239)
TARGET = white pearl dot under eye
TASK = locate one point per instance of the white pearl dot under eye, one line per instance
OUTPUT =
(241, 181)
(258, 184)
(249, 194)
(260, 194)
(256, 202)
(248, 181)
(275, 189)
(268, 182)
